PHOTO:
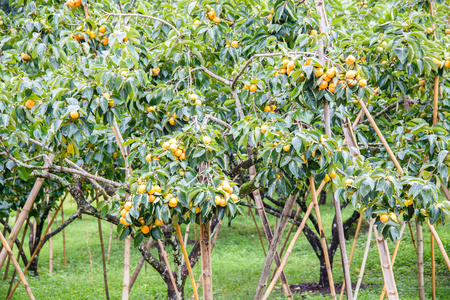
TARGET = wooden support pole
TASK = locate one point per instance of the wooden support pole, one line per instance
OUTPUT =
(288, 252)
(16, 266)
(102, 248)
(140, 264)
(278, 233)
(352, 251)
(38, 247)
(439, 243)
(419, 250)
(186, 258)
(435, 99)
(394, 255)
(380, 135)
(110, 240)
(205, 249)
(126, 269)
(8, 261)
(18, 254)
(366, 253)
(25, 211)
(127, 251)
(433, 270)
(266, 226)
(50, 242)
(345, 263)
(322, 238)
(213, 243)
(292, 244)
(64, 236)
(257, 229)
(169, 270)
(386, 266)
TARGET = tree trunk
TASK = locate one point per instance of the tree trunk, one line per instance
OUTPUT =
(323, 281)
(171, 293)
(323, 198)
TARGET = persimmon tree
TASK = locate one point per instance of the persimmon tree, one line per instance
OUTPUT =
(177, 111)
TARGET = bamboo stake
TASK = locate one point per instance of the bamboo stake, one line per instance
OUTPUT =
(16, 266)
(265, 222)
(433, 270)
(345, 263)
(89, 250)
(126, 269)
(394, 255)
(366, 253)
(322, 238)
(380, 135)
(213, 242)
(38, 247)
(25, 211)
(288, 252)
(435, 98)
(110, 240)
(412, 235)
(172, 279)
(18, 254)
(257, 229)
(139, 266)
(127, 244)
(439, 243)
(102, 247)
(8, 261)
(265, 273)
(420, 279)
(64, 236)
(186, 257)
(352, 252)
(292, 244)
(50, 243)
(186, 235)
(386, 266)
(205, 249)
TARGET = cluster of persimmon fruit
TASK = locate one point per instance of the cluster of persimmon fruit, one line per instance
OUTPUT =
(73, 3)
(351, 77)
(228, 189)
(178, 150)
(212, 16)
(91, 34)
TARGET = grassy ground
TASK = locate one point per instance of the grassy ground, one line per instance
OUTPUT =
(237, 262)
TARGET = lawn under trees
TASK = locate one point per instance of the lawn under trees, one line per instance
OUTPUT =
(237, 261)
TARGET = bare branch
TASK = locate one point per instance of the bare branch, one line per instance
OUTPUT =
(219, 121)
(213, 75)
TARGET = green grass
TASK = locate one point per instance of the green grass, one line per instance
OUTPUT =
(237, 262)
